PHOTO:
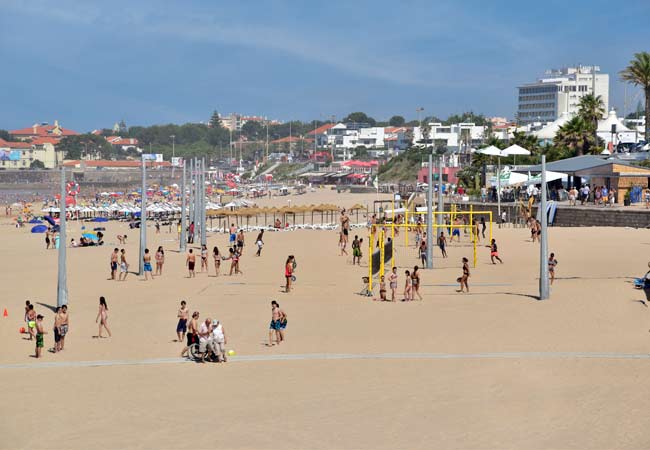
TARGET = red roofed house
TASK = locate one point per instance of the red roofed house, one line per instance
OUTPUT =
(20, 155)
(43, 130)
(292, 142)
(123, 143)
(322, 135)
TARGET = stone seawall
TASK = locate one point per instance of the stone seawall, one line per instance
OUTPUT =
(579, 216)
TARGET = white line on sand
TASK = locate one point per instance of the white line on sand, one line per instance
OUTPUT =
(336, 356)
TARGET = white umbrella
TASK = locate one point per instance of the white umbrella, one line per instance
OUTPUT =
(490, 151)
(513, 150)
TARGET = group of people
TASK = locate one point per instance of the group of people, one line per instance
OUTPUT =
(36, 328)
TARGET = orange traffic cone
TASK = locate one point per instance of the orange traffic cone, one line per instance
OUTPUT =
(5, 314)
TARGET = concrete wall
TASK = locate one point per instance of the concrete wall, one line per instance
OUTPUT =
(580, 216)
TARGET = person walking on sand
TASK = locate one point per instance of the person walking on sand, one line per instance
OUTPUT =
(181, 327)
(260, 243)
(233, 235)
(288, 273)
(463, 279)
(192, 333)
(494, 252)
(40, 332)
(392, 280)
(102, 318)
(124, 266)
(552, 262)
(114, 258)
(217, 260)
(415, 283)
(423, 252)
(148, 270)
(160, 260)
(240, 242)
(442, 243)
(204, 258)
(190, 262)
(278, 324)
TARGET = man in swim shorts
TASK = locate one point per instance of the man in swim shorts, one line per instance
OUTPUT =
(148, 270)
(181, 327)
(40, 331)
(114, 257)
(191, 261)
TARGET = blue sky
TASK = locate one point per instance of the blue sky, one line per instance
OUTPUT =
(89, 64)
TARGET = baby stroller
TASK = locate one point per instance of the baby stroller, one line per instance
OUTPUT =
(366, 291)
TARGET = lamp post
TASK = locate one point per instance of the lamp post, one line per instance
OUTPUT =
(143, 216)
(173, 136)
(181, 245)
(62, 279)
(543, 248)
(429, 215)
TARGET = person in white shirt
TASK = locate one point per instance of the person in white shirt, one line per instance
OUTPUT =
(219, 341)
(205, 338)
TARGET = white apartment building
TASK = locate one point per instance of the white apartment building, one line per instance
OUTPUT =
(452, 136)
(560, 91)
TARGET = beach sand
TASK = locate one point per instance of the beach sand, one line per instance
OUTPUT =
(495, 368)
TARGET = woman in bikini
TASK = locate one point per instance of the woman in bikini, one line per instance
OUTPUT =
(415, 282)
(288, 273)
(217, 260)
(160, 260)
(392, 279)
(408, 287)
(102, 317)
(463, 279)
(204, 258)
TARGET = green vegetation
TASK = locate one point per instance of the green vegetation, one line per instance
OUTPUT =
(638, 74)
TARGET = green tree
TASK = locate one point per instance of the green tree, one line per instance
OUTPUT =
(477, 119)
(361, 152)
(360, 117)
(215, 120)
(4, 135)
(638, 74)
(253, 130)
(592, 109)
(576, 136)
(396, 121)
(88, 145)
(37, 164)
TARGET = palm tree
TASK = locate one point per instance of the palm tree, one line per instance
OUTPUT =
(591, 109)
(638, 74)
(575, 135)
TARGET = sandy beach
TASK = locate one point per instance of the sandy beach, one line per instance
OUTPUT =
(495, 368)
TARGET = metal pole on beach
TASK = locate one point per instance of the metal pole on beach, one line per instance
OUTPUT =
(499, 190)
(543, 248)
(204, 235)
(430, 215)
(190, 215)
(441, 202)
(143, 216)
(62, 281)
(181, 244)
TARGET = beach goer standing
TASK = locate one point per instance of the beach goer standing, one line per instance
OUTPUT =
(382, 289)
(190, 235)
(219, 341)
(102, 317)
(356, 250)
(205, 338)
(494, 253)
(160, 260)
(423, 252)
(260, 243)
(233, 235)
(415, 283)
(190, 262)
(647, 197)
(408, 287)
(55, 329)
(147, 265)
(483, 226)
(278, 324)
(31, 321)
(114, 257)
(124, 266)
(192, 332)
(40, 332)
(157, 227)
(442, 243)
(64, 322)
(204, 258)
(181, 327)
(47, 239)
(217, 260)
(26, 316)
(240, 242)
(392, 280)
(552, 262)
(463, 279)
(288, 273)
